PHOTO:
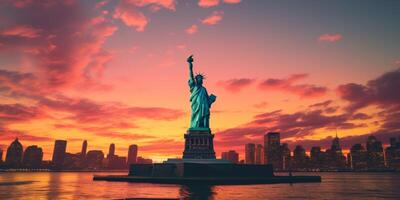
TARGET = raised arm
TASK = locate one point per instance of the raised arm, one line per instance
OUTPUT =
(190, 61)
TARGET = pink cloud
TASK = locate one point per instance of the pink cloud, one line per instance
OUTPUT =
(288, 85)
(232, 1)
(21, 31)
(213, 19)
(130, 16)
(63, 55)
(208, 3)
(155, 4)
(235, 85)
(397, 63)
(192, 29)
(330, 37)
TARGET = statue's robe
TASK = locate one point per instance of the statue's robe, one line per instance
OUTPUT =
(200, 103)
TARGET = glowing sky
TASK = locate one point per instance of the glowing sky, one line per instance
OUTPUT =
(115, 71)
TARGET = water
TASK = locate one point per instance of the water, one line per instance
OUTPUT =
(72, 185)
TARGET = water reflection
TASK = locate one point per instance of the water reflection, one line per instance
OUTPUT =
(196, 192)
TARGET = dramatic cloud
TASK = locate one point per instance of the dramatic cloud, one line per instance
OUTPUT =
(9, 135)
(382, 91)
(213, 19)
(288, 85)
(192, 29)
(21, 31)
(330, 37)
(235, 85)
(208, 3)
(62, 50)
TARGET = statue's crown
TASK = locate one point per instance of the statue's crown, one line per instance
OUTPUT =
(200, 75)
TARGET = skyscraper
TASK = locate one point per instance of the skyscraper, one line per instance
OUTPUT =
(299, 158)
(60, 147)
(375, 153)
(392, 154)
(335, 159)
(1, 155)
(14, 154)
(132, 154)
(33, 157)
(358, 158)
(231, 155)
(111, 151)
(84, 149)
(272, 146)
(250, 156)
(259, 154)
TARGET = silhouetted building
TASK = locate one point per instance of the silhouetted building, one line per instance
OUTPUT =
(316, 158)
(375, 154)
(117, 162)
(1, 155)
(250, 153)
(300, 158)
(111, 151)
(33, 157)
(141, 160)
(259, 154)
(272, 150)
(84, 149)
(285, 155)
(231, 155)
(393, 154)
(334, 159)
(72, 161)
(358, 158)
(60, 147)
(132, 154)
(14, 154)
(94, 159)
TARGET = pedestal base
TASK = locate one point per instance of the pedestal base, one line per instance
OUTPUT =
(199, 144)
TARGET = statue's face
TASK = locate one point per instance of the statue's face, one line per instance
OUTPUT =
(199, 80)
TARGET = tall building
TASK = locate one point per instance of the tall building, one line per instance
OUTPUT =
(60, 147)
(375, 153)
(132, 154)
(272, 147)
(358, 158)
(259, 154)
(300, 158)
(250, 156)
(231, 155)
(84, 149)
(33, 157)
(316, 157)
(286, 158)
(94, 159)
(335, 159)
(14, 154)
(392, 154)
(1, 155)
(111, 151)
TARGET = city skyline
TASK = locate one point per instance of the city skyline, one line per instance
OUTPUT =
(115, 71)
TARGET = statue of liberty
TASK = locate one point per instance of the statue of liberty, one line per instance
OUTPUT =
(199, 99)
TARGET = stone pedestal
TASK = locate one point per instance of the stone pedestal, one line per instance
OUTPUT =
(199, 144)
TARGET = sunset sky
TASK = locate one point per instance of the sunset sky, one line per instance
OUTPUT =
(115, 71)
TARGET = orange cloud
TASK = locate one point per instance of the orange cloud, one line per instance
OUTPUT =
(21, 31)
(214, 18)
(192, 29)
(330, 37)
(208, 3)
(232, 1)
